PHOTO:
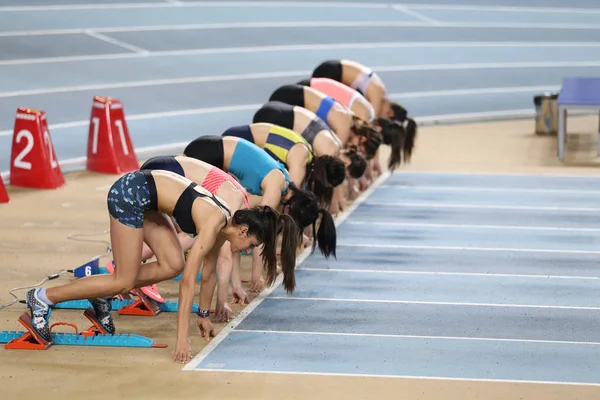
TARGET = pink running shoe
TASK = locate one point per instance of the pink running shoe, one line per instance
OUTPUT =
(150, 291)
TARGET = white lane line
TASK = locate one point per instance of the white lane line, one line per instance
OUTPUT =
(269, 75)
(211, 368)
(467, 248)
(480, 274)
(416, 15)
(308, 47)
(482, 206)
(248, 309)
(278, 4)
(492, 189)
(476, 227)
(193, 4)
(392, 336)
(115, 42)
(308, 24)
(438, 303)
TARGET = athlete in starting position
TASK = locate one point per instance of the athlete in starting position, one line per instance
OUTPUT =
(139, 205)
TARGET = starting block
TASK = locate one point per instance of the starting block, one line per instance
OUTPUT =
(93, 336)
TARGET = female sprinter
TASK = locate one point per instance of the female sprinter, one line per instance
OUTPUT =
(262, 176)
(225, 187)
(314, 130)
(368, 83)
(393, 133)
(139, 206)
(347, 127)
(317, 174)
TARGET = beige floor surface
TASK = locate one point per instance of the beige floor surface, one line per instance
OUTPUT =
(33, 243)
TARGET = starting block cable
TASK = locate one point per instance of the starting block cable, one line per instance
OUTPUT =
(72, 236)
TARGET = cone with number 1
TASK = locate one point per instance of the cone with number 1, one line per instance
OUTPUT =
(109, 146)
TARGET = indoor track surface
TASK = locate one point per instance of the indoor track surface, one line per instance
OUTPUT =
(450, 276)
(490, 277)
(185, 69)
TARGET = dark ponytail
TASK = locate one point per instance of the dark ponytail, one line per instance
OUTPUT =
(265, 223)
(401, 115)
(372, 137)
(326, 236)
(393, 135)
(409, 142)
(289, 243)
(358, 162)
(305, 210)
(323, 174)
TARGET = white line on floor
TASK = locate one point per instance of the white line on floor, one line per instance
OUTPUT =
(115, 42)
(308, 24)
(491, 189)
(378, 335)
(363, 375)
(279, 4)
(474, 226)
(437, 303)
(461, 248)
(487, 275)
(416, 15)
(482, 206)
(308, 47)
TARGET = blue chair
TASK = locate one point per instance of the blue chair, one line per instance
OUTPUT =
(576, 93)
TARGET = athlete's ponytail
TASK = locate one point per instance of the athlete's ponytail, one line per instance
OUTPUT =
(289, 244)
(305, 210)
(401, 115)
(393, 135)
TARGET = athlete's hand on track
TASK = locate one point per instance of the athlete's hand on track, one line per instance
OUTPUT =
(183, 351)
(257, 284)
(240, 297)
(207, 330)
(223, 312)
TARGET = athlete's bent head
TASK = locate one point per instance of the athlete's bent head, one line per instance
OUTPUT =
(323, 174)
(356, 162)
(369, 138)
(265, 224)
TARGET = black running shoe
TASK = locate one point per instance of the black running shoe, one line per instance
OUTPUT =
(103, 308)
(40, 314)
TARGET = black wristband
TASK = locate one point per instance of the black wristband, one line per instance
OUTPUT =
(203, 313)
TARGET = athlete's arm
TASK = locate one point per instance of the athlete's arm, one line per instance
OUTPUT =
(202, 247)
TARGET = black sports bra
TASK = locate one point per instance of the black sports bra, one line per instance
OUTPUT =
(183, 208)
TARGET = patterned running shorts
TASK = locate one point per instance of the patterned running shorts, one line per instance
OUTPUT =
(130, 197)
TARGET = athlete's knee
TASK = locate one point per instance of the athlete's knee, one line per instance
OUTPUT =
(121, 284)
(172, 265)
